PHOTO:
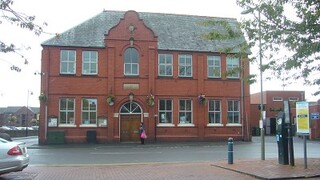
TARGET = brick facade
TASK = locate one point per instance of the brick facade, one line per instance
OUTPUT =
(273, 104)
(110, 79)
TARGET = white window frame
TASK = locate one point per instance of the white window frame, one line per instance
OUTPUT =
(163, 113)
(90, 62)
(277, 98)
(214, 66)
(183, 58)
(89, 111)
(185, 111)
(214, 111)
(70, 120)
(293, 99)
(165, 64)
(232, 63)
(233, 111)
(69, 62)
(131, 64)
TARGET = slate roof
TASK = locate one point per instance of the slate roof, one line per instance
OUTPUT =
(14, 109)
(175, 32)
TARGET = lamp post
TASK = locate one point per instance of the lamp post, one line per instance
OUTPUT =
(261, 92)
(27, 118)
(261, 120)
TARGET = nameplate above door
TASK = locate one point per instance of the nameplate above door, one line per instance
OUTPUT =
(130, 86)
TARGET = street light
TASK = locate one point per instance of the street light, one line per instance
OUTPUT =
(251, 10)
(26, 123)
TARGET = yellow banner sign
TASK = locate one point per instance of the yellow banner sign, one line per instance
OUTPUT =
(302, 112)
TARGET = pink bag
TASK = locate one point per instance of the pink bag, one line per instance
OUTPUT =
(143, 135)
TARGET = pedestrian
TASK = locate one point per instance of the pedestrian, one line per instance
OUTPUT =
(143, 135)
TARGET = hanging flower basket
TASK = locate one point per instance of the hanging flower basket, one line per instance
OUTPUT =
(43, 97)
(110, 100)
(150, 100)
(202, 99)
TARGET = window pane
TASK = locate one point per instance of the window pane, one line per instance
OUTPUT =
(64, 55)
(236, 117)
(71, 118)
(182, 105)
(230, 117)
(162, 105)
(127, 69)
(85, 118)
(188, 105)
(63, 116)
(169, 117)
(85, 104)
(63, 104)
(188, 71)
(188, 119)
(134, 69)
(169, 70)
(182, 71)
(182, 117)
(162, 69)
(169, 105)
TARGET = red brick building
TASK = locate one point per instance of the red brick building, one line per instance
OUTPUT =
(273, 104)
(314, 110)
(117, 69)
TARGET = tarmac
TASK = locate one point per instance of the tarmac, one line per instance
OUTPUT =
(238, 169)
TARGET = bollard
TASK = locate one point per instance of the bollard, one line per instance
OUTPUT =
(230, 150)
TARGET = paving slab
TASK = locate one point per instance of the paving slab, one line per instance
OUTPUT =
(271, 169)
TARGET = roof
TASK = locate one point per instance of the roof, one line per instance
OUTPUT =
(14, 109)
(175, 32)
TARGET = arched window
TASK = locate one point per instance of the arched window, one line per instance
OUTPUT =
(131, 62)
(130, 108)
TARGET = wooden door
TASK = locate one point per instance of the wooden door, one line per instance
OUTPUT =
(129, 128)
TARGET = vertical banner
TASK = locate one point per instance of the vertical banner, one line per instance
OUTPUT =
(302, 112)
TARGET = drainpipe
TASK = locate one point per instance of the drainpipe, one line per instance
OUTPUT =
(242, 106)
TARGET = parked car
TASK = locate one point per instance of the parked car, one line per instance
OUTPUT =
(5, 136)
(14, 156)
(5, 128)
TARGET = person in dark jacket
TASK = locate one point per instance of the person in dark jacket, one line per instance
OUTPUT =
(141, 130)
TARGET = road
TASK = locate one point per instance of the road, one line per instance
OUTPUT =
(160, 161)
(98, 154)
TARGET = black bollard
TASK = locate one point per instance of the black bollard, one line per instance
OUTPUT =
(230, 150)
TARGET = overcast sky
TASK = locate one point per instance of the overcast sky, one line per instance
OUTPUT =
(62, 15)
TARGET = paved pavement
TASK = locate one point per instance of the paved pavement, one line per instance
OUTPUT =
(240, 169)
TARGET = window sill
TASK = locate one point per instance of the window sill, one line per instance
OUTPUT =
(186, 125)
(165, 77)
(88, 125)
(67, 125)
(165, 125)
(214, 125)
(233, 125)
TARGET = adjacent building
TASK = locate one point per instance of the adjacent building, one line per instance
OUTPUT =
(272, 105)
(103, 77)
(18, 116)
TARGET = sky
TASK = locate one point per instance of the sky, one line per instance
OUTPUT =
(23, 88)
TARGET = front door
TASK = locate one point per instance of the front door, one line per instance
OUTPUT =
(129, 127)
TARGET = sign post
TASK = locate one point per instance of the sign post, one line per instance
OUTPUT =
(302, 112)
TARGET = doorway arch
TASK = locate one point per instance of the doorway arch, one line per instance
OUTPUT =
(130, 119)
